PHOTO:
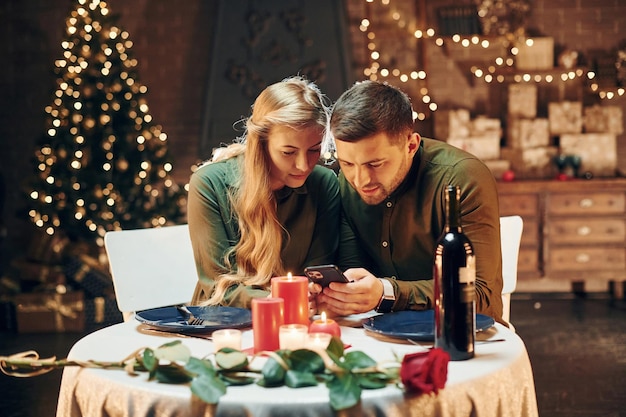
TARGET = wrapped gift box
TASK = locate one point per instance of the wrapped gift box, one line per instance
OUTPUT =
(532, 163)
(38, 272)
(538, 56)
(452, 123)
(39, 312)
(101, 312)
(483, 125)
(603, 119)
(527, 133)
(7, 315)
(498, 167)
(89, 275)
(565, 117)
(522, 100)
(484, 147)
(47, 249)
(598, 152)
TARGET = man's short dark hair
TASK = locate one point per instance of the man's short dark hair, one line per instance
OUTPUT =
(368, 108)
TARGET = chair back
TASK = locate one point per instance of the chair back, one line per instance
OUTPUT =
(151, 267)
(511, 228)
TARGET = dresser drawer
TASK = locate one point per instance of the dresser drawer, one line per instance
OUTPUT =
(525, 205)
(593, 230)
(587, 203)
(530, 233)
(528, 260)
(587, 258)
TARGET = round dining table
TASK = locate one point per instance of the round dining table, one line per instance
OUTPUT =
(498, 381)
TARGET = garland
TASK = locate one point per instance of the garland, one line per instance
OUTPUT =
(345, 374)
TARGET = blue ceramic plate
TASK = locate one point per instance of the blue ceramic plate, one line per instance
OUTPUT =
(170, 320)
(414, 325)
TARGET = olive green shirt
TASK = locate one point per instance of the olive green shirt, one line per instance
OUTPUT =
(397, 238)
(309, 214)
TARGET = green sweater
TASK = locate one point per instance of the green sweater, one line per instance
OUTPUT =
(397, 238)
(310, 215)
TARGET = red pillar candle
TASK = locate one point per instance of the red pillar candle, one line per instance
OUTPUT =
(267, 317)
(324, 325)
(295, 292)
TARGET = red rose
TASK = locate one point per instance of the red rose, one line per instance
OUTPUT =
(425, 372)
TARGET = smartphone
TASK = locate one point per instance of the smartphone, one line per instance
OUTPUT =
(325, 274)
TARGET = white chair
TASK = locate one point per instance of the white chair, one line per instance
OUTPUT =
(151, 267)
(511, 228)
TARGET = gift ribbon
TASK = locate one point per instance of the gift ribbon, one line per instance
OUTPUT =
(61, 310)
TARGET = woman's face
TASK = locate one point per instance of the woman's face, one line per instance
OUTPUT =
(293, 154)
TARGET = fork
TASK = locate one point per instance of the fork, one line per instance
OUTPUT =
(189, 317)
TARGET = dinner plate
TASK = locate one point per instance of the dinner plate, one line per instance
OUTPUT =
(216, 317)
(414, 325)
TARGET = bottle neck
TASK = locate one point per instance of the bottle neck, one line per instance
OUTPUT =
(453, 208)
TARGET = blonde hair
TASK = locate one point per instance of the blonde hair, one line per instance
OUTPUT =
(293, 102)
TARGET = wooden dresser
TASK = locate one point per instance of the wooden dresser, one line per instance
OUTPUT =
(574, 231)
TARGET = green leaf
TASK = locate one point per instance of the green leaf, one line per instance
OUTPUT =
(236, 379)
(273, 374)
(230, 359)
(358, 359)
(372, 381)
(173, 351)
(172, 374)
(208, 389)
(335, 347)
(344, 391)
(149, 361)
(200, 367)
(304, 360)
(296, 379)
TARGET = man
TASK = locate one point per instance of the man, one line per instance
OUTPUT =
(392, 185)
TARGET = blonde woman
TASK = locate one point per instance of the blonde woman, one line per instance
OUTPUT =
(263, 206)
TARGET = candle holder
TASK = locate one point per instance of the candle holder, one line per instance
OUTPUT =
(226, 338)
(292, 336)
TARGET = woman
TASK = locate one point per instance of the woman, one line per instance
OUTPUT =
(263, 207)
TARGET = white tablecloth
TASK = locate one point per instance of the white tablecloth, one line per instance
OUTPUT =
(497, 382)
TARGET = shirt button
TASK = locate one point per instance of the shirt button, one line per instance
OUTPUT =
(389, 204)
(385, 244)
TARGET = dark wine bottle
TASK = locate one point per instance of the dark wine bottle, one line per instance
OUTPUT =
(454, 274)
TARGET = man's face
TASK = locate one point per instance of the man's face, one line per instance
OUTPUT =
(375, 166)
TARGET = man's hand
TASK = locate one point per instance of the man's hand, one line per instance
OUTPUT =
(359, 296)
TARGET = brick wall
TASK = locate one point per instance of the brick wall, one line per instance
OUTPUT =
(172, 43)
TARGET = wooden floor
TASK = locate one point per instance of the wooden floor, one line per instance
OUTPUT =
(576, 343)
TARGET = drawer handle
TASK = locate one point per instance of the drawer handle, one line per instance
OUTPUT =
(582, 258)
(585, 203)
(584, 230)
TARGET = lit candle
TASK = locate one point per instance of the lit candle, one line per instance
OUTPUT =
(267, 317)
(295, 292)
(318, 341)
(226, 338)
(293, 336)
(324, 325)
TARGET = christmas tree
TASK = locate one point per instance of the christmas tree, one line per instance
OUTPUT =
(102, 164)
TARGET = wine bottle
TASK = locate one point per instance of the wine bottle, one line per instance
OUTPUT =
(454, 273)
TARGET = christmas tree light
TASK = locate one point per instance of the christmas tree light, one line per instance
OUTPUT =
(102, 164)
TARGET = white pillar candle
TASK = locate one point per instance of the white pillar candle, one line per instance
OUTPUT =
(318, 341)
(292, 336)
(230, 338)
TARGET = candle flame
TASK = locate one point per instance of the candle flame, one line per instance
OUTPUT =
(289, 276)
(323, 316)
